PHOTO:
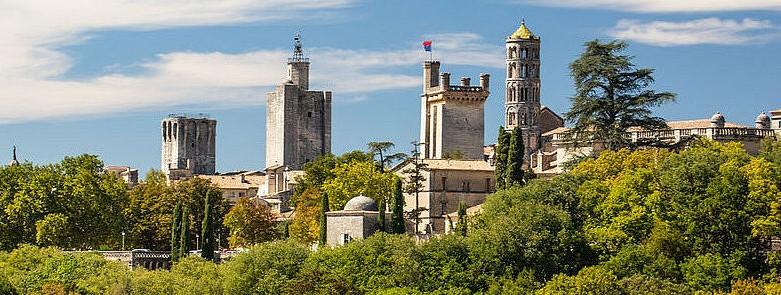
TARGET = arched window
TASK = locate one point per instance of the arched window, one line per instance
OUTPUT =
(164, 131)
(511, 120)
(176, 130)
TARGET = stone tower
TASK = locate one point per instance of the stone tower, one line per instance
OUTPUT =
(451, 116)
(188, 146)
(522, 98)
(298, 121)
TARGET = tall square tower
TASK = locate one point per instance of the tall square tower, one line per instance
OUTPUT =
(298, 120)
(188, 145)
(452, 122)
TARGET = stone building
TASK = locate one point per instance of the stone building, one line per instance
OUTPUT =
(128, 174)
(357, 221)
(188, 146)
(238, 184)
(452, 117)
(298, 120)
(451, 132)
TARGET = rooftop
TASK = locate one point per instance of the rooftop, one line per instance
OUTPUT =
(522, 32)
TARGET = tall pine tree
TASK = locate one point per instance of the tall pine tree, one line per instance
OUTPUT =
(323, 226)
(175, 224)
(397, 213)
(381, 216)
(502, 147)
(184, 242)
(515, 156)
(462, 223)
(207, 231)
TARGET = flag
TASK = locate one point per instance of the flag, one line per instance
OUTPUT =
(427, 45)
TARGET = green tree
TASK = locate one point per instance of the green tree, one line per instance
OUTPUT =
(207, 232)
(52, 230)
(415, 181)
(305, 226)
(250, 223)
(611, 96)
(380, 149)
(184, 235)
(323, 220)
(356, 178)
(500, 155)
(461, 226)
(515, 158)
(176, 226)
(149, 213)
(381, 216)
(267, 268)
(397, 213)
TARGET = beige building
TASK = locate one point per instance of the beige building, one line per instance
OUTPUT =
(128, 174)
(357, 221)
(237, 184)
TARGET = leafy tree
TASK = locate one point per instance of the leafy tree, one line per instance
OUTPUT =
(397, 213)
(305, 226)
(192, 193)
(207, 232)
(320, 170)
(176, 229)
(149, 213)
(707, 272)
(267, 268)
(184, 235)
(611, 96)
(590, 280)
(380, 149)
(515, 158)
(324, 220)
(250, 223)
(52, 230)
(501, 152)
(357, 178)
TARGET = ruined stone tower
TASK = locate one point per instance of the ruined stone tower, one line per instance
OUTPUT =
(298, 121)
(188, 146)
(522, 98)
(452, 118)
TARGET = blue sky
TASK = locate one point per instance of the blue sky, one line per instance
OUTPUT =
(98, 76)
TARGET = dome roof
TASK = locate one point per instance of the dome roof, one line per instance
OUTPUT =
(361, 203)
(762, 118)
(717, 117)
(522, 32)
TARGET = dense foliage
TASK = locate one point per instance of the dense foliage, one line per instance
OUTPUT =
(642, 222)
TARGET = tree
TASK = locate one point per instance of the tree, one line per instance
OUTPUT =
(148, 215)
(611, 96)
(351, 179)
(250, 223)
(207, 232)
(305, 226)
(52, 230)
(415, 181)
(461, 225)
(515, 158)
(184, 236)
(500, 156)
(380, 149)
(176, 231)
(381, 216)
(397, 213)
(323, 220)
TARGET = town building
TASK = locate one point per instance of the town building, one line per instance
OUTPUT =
(236, 185)
(357, 221)
(188, 146)
(128, 174)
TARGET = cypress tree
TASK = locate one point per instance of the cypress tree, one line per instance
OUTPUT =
(184, 242)
(397, 214)
(515, 155)
(381, 216)
(323, 225)
(175, 223)
(207, 231)
(502, 147)
(461, 226)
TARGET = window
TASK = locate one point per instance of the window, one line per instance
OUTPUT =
(444, 183)
(465, 187)
(345, 239)
(487, 185)
(241, 195)
(309, 114)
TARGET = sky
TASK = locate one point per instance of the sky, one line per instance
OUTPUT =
(97, 77)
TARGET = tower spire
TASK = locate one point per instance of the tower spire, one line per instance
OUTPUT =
(14, 161)
(298, 52)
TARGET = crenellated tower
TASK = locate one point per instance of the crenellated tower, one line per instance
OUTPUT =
(522, 98)
(452, 117)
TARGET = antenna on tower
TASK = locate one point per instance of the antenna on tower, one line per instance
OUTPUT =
(298, 52)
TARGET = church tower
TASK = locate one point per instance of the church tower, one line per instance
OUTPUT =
(522, 98)
(298, 120)
(452, 117)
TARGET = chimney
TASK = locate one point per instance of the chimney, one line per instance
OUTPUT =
(444, 81)
(465, 81)
(484, 81)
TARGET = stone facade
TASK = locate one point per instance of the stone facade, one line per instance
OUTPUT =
(298, 120)
(357, 221)
(452, 118)
(188, 146)
(522, 96)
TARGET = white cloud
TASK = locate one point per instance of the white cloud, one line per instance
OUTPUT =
(702, 31)
(34, 89)
(661, 6)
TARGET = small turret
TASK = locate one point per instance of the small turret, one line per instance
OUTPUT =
(762, 121)
(484, 81)
(465, 81)
(444, 81)
(717, 121)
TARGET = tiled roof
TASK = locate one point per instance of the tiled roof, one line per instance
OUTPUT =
(471, 165)
(234, 182)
